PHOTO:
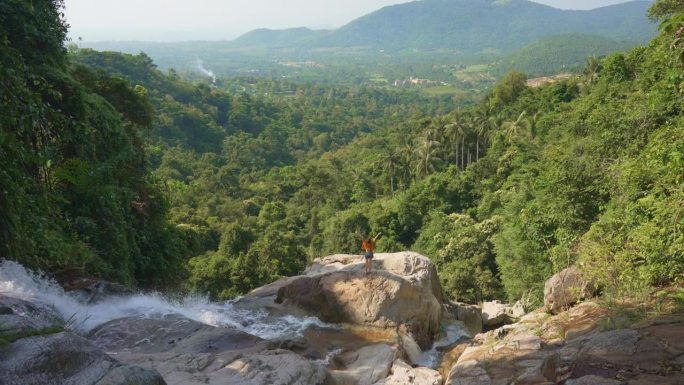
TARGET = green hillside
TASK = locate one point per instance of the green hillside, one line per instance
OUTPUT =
(278, 38)
(562, 53)
(479, 25)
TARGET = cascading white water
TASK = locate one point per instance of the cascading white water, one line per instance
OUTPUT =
(452, 333)
(18, 282)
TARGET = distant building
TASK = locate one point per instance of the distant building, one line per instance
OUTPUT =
(538, 82)
(411, 81)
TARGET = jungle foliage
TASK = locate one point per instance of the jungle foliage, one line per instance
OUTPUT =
(118, 169)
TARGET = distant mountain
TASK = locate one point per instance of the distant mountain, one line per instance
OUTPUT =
(561, 53)
(468, 25)
(278, 38)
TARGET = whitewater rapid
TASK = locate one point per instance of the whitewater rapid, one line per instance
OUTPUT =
(18, 282)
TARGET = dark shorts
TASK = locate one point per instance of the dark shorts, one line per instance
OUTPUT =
(368, 254)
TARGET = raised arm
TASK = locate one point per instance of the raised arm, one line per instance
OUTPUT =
(377, 237)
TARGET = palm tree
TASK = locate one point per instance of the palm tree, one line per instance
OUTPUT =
(426, 154)
(390, 160)
(512, 128)
(592, 69)
(533, 124)
(457, 131)
(481, 127)
(406, 164)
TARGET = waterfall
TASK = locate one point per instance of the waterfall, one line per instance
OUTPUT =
(18, 282)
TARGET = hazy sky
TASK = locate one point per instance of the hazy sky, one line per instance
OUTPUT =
(165, 20)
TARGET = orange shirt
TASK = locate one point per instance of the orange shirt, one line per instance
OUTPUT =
(368, 244)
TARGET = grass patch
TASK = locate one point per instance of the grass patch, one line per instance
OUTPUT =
(8, 338)
(627, 311)
(476, 68)
(442, 90)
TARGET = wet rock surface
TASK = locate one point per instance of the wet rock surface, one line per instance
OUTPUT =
(94, 291)
(170, 333)
(188, 352)
(66, 358)
(470, 315)
(17, 315)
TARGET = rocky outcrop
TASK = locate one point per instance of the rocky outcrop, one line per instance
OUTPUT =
(280, 367)
(403, 289)
(517, 357)
(66, 358)
(365, 366)
(571, 348)
(17, 316)
(566, 289)
(170, 333)
(189, 352)
(384, 322)
(41, 354)
(495, 313)
(470, 315)
(93, 291)
(403, 374)
(593, 380)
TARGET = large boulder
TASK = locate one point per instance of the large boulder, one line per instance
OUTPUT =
(402, 289)
(365, 366)
(271, 367)
(66, 358)
(494, 313)
(566, 289)
(403, 374)
(470, 315)
(46, 354)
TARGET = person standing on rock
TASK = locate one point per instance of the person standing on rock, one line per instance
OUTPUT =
(368, 245)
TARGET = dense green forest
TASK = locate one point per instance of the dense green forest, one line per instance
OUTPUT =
(111, 167)
(565, 53)
(76, 194)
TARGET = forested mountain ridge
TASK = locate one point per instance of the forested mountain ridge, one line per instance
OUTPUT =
(277, 38)
(474, 26)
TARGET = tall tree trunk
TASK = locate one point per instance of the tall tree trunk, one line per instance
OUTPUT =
(463, 153)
